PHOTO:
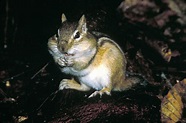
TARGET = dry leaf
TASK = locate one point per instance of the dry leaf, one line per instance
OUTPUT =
(172, 105)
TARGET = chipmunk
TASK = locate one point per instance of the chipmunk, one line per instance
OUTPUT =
(96, 62)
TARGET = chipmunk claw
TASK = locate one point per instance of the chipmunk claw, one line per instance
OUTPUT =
(94, 94)
(69, 61)
(62, 62)
(63, 84)
(69, 84)
(100, 93)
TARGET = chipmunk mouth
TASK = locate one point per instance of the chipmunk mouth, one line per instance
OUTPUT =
(68, 54)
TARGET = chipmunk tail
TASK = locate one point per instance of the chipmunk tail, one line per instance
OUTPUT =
(133, 81)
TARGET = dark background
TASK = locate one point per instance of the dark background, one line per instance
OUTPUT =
(31, 23)
(145, 30)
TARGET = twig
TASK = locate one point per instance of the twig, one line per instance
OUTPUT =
(17, 75)
(3, 93)
(6, 24)
(6, 97)
(169, 69)
(39, 70)
(167, 81)
(54, 93)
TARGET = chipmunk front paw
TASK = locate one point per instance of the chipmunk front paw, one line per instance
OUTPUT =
(61, 62)
(69, 61)
(69, 84)
(65, 84)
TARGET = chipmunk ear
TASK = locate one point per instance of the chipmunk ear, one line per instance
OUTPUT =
(63, 18)
(83, 24)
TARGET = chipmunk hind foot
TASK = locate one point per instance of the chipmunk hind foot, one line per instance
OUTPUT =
(106, 91)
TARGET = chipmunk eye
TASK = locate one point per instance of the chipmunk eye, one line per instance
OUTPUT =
(77, 35)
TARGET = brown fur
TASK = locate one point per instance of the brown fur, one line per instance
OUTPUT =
(93, 54)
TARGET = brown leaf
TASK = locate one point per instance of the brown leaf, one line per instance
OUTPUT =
(172, 105)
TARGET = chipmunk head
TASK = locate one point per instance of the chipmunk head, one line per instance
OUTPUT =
(73, 38)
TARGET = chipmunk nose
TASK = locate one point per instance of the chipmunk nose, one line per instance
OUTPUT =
(63, 51)
(62, 44)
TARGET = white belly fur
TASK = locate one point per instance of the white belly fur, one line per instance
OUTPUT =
(98, 78)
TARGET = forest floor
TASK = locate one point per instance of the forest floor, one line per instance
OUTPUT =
(153, 37)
